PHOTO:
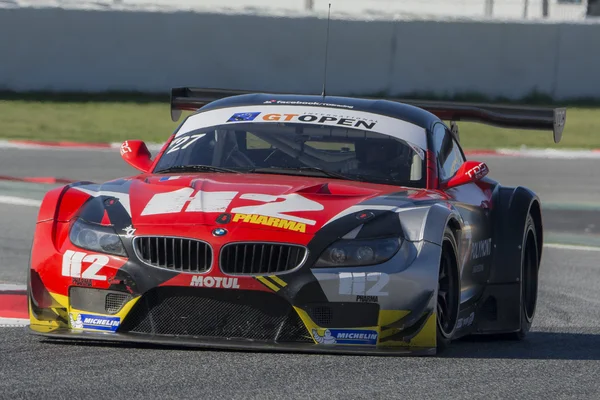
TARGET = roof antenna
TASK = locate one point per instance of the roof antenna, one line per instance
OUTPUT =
(326, 51)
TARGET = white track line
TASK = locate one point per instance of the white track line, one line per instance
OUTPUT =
(571, 247)
(9, 287)
(19, 201)
(13, 322)
(566, 154)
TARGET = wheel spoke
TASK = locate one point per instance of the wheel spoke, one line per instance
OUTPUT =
(441, 314)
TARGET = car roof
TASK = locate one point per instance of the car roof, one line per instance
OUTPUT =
(405, 112)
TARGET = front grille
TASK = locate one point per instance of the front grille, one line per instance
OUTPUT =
(321, 315)
(261, 258)
(115, 301)
(339, 314)
(216, 313)
(173, 253)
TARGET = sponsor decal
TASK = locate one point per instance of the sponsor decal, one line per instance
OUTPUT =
(81, 282)
(125, 148)
(279, 206)
(129, 231)
(345, 336)
(478, 171)
(73, 265)
(318, 118)
(307, 103)
(183, 142)
(215, 282)
(480, 249)
(224, 218)
(465, 322)
(367, 299)
(243, 116)
(185, 200)
(363, 283)
(97, 322)
(270, 221)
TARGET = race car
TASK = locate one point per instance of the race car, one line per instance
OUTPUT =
(295, 223)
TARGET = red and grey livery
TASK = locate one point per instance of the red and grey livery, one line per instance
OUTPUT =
(299, 223)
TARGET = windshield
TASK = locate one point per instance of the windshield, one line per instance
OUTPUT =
(297, 149)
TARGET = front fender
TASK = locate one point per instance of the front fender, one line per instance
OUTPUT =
(429, 222)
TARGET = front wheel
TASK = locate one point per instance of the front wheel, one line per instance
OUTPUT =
(448, 292)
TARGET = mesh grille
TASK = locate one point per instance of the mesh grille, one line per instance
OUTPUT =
(261, 258)
(115, 301)
(217, 313)
(176, 254)
(322, 316)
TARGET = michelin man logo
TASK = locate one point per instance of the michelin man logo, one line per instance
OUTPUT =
(325, 339)
(97, 322)
(76, 323)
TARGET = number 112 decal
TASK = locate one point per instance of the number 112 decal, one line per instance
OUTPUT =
(363, 283)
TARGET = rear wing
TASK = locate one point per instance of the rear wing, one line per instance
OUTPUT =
(538, 118)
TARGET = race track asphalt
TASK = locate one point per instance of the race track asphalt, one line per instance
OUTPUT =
(559, 360)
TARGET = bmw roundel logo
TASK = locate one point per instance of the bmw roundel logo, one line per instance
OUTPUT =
(219, 232)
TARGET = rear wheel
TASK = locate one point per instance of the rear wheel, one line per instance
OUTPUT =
(448, 292)
(530, 262)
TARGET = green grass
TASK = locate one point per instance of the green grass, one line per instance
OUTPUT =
(118, 118)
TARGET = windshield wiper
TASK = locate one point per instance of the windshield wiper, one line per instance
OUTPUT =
(278, 170)
(193, 168)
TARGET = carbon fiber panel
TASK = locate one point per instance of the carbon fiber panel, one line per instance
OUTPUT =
(231, 314)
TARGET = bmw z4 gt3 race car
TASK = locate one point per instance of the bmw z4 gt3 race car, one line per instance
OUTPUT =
(297, 223)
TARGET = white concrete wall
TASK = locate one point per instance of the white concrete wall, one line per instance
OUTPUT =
(70, 50)
(511, 9)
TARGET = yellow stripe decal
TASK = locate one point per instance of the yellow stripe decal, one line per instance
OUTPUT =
(279, 281)
(266, 282)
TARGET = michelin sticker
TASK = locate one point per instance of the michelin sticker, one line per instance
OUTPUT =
(345, 336)
(97, 322)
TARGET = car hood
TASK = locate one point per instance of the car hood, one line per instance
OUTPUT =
(260, 201)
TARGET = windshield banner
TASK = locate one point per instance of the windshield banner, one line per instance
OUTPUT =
(358, 120)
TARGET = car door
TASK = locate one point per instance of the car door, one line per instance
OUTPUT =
(475, 243)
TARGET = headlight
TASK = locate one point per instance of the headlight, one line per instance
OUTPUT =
(95, 237)
(354, 253)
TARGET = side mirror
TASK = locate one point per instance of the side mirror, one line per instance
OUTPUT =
(136, 154)
(470, 171)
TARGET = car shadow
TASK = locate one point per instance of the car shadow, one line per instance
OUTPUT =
(537, 346)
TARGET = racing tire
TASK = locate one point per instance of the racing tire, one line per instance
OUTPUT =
(530, 263)
(448, 292)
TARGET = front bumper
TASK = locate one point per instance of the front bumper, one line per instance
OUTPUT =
(242, 320)
(340, 310)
